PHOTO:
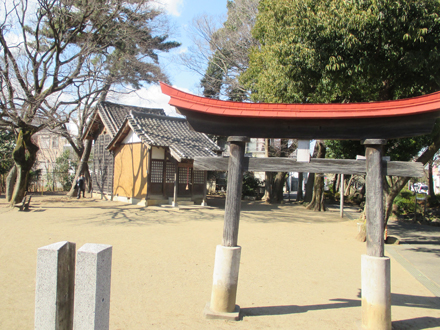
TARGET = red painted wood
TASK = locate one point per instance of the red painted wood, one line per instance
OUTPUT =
(412, 106)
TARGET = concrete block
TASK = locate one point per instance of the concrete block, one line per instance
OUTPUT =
(376, 293)
(55, 286)
(232, 316)
(225, 279)
(92, 287)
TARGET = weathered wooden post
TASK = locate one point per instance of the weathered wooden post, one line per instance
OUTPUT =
(227, 256)
(376, 289)
(55, 286)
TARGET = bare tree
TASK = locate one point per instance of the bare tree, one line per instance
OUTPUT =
(44, 75)
(224, 46)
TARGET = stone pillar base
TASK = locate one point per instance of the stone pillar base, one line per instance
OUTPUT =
(232, 316)
(225, 280)
(376, 293)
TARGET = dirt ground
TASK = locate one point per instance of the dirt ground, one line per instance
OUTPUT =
(298, 270)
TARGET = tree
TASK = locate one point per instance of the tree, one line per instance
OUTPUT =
(317, 202)
(48, 74)
(64, 169)
(221, 51)
(345, 51)
(7, 144)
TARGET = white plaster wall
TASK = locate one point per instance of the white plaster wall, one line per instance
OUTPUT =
(131, 138)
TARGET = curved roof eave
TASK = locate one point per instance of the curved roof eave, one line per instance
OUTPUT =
(332, 121)
(394, 108)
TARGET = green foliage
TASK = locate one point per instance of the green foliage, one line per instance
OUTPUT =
(434, 201)
(251, 185)
(7, 145)
(34, 176)
(65, 170)
(344, 51)
(344, 149)
(212, 80)
(405, 202)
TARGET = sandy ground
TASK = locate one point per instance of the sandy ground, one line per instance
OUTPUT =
(299, 269)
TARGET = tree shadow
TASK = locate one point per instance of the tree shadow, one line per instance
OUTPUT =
(396, 300)
(405, 300)
(296, 309)
(412, 230)
(419, 323)
(426, 250)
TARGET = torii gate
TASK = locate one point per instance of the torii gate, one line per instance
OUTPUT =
(371, 123)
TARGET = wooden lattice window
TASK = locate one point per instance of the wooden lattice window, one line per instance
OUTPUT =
(156, 171)
(199, 177)
(184, 175)
(171, 170)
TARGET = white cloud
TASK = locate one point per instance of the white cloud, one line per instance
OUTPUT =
(171, 6)
(151, 97)
(183, 50)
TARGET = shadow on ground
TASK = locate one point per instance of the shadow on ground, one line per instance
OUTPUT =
(296, 309)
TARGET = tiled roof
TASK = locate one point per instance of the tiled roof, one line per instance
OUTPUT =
(113, 115)
(172, 132)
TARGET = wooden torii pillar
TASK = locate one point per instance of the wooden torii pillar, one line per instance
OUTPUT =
(227, 255)
(372, 122)
(375, 267)
(376, 307)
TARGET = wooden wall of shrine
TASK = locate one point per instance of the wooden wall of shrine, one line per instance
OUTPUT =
(142, 173)
(102, 167)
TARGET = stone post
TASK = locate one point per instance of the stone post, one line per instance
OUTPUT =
(92, 287)
(55, 286)
(227, 257)
(376, 288)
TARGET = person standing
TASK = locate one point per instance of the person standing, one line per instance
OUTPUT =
(81, 185)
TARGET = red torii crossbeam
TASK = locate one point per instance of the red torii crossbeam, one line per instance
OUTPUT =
(334, 121)
(372, 123)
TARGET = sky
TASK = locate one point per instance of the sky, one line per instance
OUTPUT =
(180, 13)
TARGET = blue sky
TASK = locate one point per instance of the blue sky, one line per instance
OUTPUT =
(188, 10)
(181, 13)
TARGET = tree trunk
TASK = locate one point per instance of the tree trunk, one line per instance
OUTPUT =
(278, 185)
(431, 184)
(267, 175)
(309, 188)
(268, 181)
(338, 184)
(335, 185)
(299, 193)
(347, 189)
(317, 201)
(83, 168)
(363, 191)
(24, 154)
(10, 183)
